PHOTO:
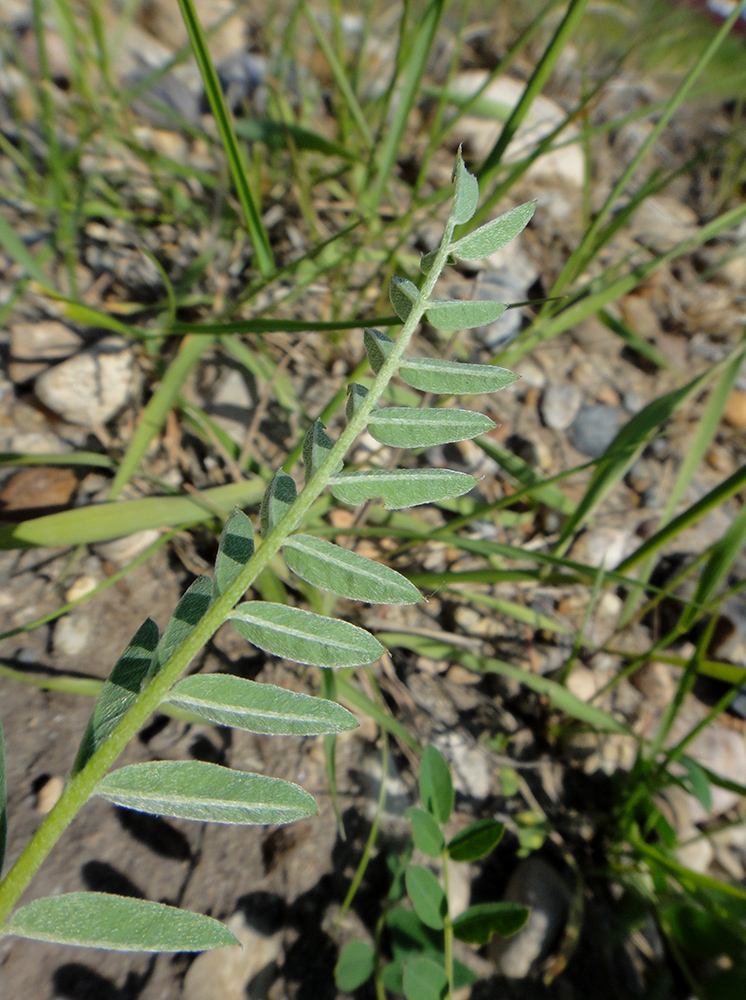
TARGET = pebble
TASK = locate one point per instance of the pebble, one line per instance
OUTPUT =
(735, 410)
(71, 634)
(602, 546)
(593, 429)
(583, 683)
(559, 406)
(470, 765)
(226, 972)
(82, 586)
(540, 887)
(49, 793)
(655, 681)
(232, 404)
(38, 488)
(34, 346)
(121, 551)
(93, 386)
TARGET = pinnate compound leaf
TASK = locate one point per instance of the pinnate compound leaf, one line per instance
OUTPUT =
(476, 841)
(234, 551)
(356, 964)
(303, 636)
(466, 195)
(279, 496)
(356, 394)
(117, 923)
(427, 895)
(194, 789)
(426, 832)
(454, 377)
(436, 787)
(403, 294)
(462, 314)
(477, 924)
(259, 708)
(424, 979)
(401, 487)
(119, 692)
(189, 612)
(493, 236)
(346, 573)
(316, 447)
(378, 347)
(404, 427)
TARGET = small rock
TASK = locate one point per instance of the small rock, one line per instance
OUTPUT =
(470, 765)
(735, 410)
(602, 546)
(593, 429)
(225, 973)
(559, 406)
(722, 751)
(48, 795)
(533, 452)
(91, 387)
(582, 683)
(232, 404)
(36, 489)
(82, 586)
(34, 346)
(656, 682)
(71, 635)
(538, 886)
(121, 551)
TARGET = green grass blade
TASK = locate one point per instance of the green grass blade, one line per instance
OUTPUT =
(3, 800)
(228, 138)
(105, 521)
(16, 248)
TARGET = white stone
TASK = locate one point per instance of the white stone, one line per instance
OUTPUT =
(71, 634)
(34, 346)
(93, 386)
(560, 405)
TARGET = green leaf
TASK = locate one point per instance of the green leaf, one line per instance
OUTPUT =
(119, 692)
(303, 636)
(316, 447)
(466, 195)
(426, 833)
(401, 487)
(436, 375)
(259, 708)
(3, 800)
(280, 495)
(234, 551)
(476, 841)
(189, 612)
(356, 393)
(343, 572)
(436, 787)
(117, 923)
(698, 782)
(424, 979)
(494, 235)
(193, 789)
(403, 295)
(427, 895)
(378, 347)
(403, 427)
(463, 314)
(477, 924)
(355, 965)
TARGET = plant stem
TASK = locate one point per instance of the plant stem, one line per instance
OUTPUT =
(80, 788)
(447, 928)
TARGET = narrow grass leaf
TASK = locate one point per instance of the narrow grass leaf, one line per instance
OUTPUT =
(427, 895)
(3, 800)
(404, 427)
(355, 965)
(378, 347)
(119, 691)
(196, 790)
(316, 447)
(477, 924)
(719, 563)
(401, 487)
(117, 923)
(493, 236)
(476, 841)
(275, 135)
(102, 522)
(426, 832)
(402, 294)
(303, 636)
(381, 716)
(259, 708)
(466, 194)
(458, 314)
(529, 478)
(346, 573)
(234, 551)
(424, 979)
(454, 377)
(190, 610)
(278, 498)
(436, 787)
